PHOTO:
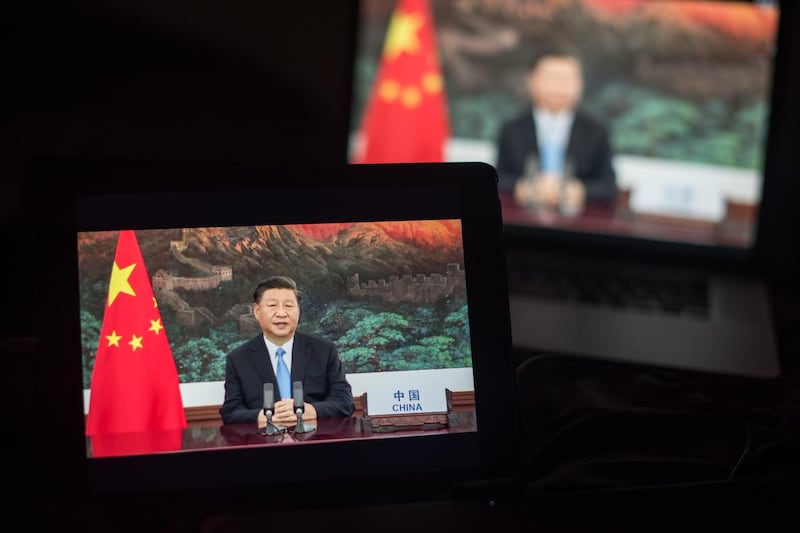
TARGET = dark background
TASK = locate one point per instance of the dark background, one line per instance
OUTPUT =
(258, 80)
(240, 80)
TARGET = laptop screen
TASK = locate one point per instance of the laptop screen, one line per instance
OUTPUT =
(640, 120)
(155, 266)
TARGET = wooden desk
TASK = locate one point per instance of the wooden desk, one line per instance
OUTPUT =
(735, 230)
(216, 436)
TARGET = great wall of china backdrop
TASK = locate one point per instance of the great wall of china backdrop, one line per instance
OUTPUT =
(390, 294)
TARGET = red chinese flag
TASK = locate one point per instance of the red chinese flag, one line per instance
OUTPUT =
(135, 386)
(406, 116)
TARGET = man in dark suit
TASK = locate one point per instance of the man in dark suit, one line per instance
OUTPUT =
(268, 357)
(556, 154)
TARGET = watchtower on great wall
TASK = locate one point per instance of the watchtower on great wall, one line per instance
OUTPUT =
(420, 288)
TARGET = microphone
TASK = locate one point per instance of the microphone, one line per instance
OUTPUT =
(269, 397)
(299, 409)
(269, 406)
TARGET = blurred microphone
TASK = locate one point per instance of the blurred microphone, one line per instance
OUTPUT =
(269, 398)
(299, 409)
(269, 406)
(299, 404)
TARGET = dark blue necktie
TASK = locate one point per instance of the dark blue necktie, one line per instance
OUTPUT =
(284, 378)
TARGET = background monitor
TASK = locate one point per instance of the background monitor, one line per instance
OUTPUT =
(685, 90)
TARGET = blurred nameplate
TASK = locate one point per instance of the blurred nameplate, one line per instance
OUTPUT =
(406, 393)
(679, 199)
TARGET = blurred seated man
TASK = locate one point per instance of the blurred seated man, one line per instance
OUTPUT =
(556, 155)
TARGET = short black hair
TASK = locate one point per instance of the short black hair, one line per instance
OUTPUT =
(554, 50)
(276, 282)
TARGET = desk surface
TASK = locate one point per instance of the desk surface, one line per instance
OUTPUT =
(215, 436)
(619, 220)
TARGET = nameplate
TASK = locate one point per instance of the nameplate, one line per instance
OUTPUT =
(405, 393)
(679, 199)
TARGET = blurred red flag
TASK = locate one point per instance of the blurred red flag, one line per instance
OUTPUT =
(406, 116)
(135, 386)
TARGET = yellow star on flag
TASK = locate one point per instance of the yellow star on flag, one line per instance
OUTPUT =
(113, 339)
(155, 326)
(136, 342)
(389, 90)
(432, 82)
(402, 35)
(119, 282)
(411, 96)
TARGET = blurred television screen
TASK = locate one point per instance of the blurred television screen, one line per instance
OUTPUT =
(682, 87)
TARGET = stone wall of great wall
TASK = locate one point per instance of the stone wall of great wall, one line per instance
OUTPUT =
(418, 289)
(164, 285)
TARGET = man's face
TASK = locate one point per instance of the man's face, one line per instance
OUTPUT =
(556, 84)
(278, 313)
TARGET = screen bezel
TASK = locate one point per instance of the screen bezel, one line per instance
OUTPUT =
(378, 469)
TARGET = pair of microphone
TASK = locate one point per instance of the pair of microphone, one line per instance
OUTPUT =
(299, 409)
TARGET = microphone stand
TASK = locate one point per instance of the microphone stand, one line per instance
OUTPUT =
(271, 428)
(299, 408)
(301, 427)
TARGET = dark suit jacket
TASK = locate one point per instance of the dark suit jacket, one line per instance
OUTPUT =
(588, 150)
(315, 362)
